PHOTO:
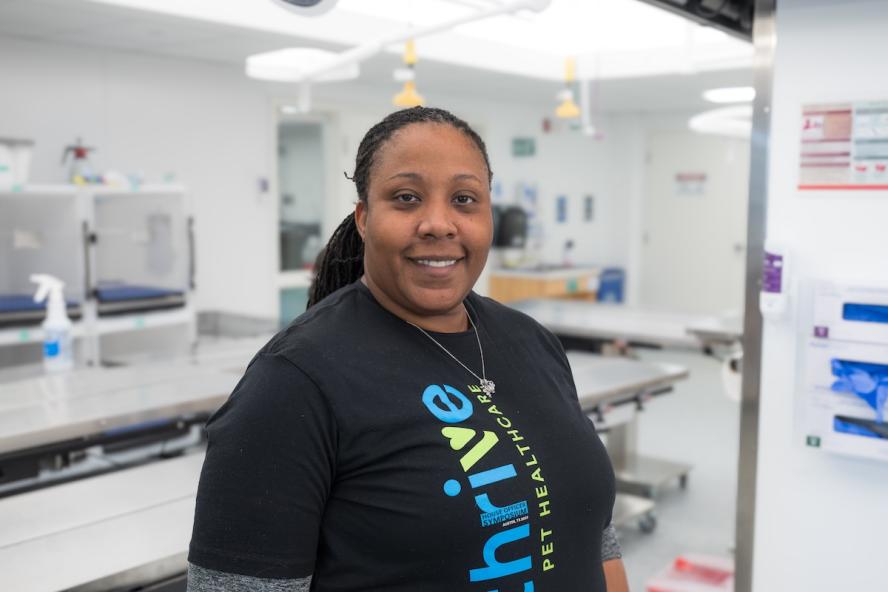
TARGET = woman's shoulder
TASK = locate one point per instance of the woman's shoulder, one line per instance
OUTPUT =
(321, 326)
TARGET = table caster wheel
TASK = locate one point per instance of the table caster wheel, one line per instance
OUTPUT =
(647, 523)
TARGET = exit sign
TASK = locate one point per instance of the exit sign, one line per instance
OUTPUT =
(523, 147)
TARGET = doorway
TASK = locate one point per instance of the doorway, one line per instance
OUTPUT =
(302, 188)
(694, 238)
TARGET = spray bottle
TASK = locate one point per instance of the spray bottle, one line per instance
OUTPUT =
(57, 350)
(81, 172)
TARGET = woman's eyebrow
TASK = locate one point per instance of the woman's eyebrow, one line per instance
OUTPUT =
(465, 176)
(417, 177)
(407, 175)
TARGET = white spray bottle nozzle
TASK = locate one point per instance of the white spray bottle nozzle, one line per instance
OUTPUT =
(47, 285)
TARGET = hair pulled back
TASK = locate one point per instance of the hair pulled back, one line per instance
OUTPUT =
(341, 262)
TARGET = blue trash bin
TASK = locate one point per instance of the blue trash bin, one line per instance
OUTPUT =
(611, 284)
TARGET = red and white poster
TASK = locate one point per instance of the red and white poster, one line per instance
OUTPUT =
(844, 146)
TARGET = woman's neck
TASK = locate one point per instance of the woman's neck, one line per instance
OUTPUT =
(452, 321)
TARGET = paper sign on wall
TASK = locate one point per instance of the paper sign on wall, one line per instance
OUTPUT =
(844, 146)
(561, 209)
(690, 184)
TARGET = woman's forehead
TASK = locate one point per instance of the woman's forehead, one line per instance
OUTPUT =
(428, 144)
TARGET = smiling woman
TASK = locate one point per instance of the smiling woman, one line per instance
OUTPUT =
(427, 225)
(405, 433)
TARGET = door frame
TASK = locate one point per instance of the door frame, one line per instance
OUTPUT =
(329, 122)
(764, 39)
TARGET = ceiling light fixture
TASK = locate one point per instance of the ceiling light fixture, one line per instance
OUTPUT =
(735, 94)
(291, 65)
(568, 108)
(408, 97)
(734, 122)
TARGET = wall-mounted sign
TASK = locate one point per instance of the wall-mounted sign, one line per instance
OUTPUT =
(844, 146)
(690, 184)
(589, 208)
(523, 147)
(561, 209)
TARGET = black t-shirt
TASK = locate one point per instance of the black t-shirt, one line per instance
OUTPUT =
(355, 449)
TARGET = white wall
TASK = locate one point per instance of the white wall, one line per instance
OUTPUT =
(820, 519)
(215, 129)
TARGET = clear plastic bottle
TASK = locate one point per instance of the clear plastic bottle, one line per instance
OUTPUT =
(58, 355)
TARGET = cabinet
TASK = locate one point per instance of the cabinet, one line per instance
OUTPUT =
(126, 257)
(509, 285)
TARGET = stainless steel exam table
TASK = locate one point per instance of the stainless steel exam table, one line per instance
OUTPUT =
(62, 534)
(100, 533)
(579, 323)
(50, 409)
(128, 526)
(602, 323)
(610, 390)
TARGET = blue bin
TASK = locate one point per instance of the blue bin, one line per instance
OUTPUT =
(611, 285)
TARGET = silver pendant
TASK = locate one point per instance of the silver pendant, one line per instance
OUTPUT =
(488, 386)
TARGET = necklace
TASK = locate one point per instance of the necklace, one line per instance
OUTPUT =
(488, 386)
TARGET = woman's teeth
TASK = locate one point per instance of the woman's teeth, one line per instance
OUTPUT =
(430, 263)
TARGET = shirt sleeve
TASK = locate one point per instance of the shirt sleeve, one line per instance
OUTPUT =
(209, 580)
(610, 546)
(269, 467)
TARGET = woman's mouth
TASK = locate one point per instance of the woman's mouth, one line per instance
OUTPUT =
(436, 262)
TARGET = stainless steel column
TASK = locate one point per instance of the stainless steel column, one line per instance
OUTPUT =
(764, 37)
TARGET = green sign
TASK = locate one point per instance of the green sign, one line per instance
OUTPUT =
(523, 147)
(813, 441)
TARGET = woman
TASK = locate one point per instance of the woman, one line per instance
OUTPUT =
(405, 434)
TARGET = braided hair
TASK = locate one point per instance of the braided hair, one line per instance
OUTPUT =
(341, 262)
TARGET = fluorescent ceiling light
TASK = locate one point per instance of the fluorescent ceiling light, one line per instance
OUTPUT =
(737, 94)
(734, 122)
(288, 65)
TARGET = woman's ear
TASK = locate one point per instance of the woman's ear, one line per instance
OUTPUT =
(361, 217)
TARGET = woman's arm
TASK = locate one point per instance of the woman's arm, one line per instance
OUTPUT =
(612, 561)
(271, 452)
(209, 580)
(615, 576)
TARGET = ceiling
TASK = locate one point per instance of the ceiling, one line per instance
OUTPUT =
(114, 28)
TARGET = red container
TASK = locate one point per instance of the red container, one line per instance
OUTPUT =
(695, 573)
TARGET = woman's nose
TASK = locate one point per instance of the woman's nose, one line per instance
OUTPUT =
(437, 220)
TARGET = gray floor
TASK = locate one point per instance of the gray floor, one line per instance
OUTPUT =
(696, 424)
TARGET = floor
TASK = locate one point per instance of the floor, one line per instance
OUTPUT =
(696, 424)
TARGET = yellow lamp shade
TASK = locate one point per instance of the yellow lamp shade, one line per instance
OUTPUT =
(408, 97)
(568, 109)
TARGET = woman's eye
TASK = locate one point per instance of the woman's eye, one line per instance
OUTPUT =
(464, 199)
(406, 198)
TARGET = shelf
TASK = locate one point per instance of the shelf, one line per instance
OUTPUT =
(33, 334)
(144, 320)
(72, 190)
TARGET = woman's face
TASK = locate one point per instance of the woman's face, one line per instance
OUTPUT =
(427, 224)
